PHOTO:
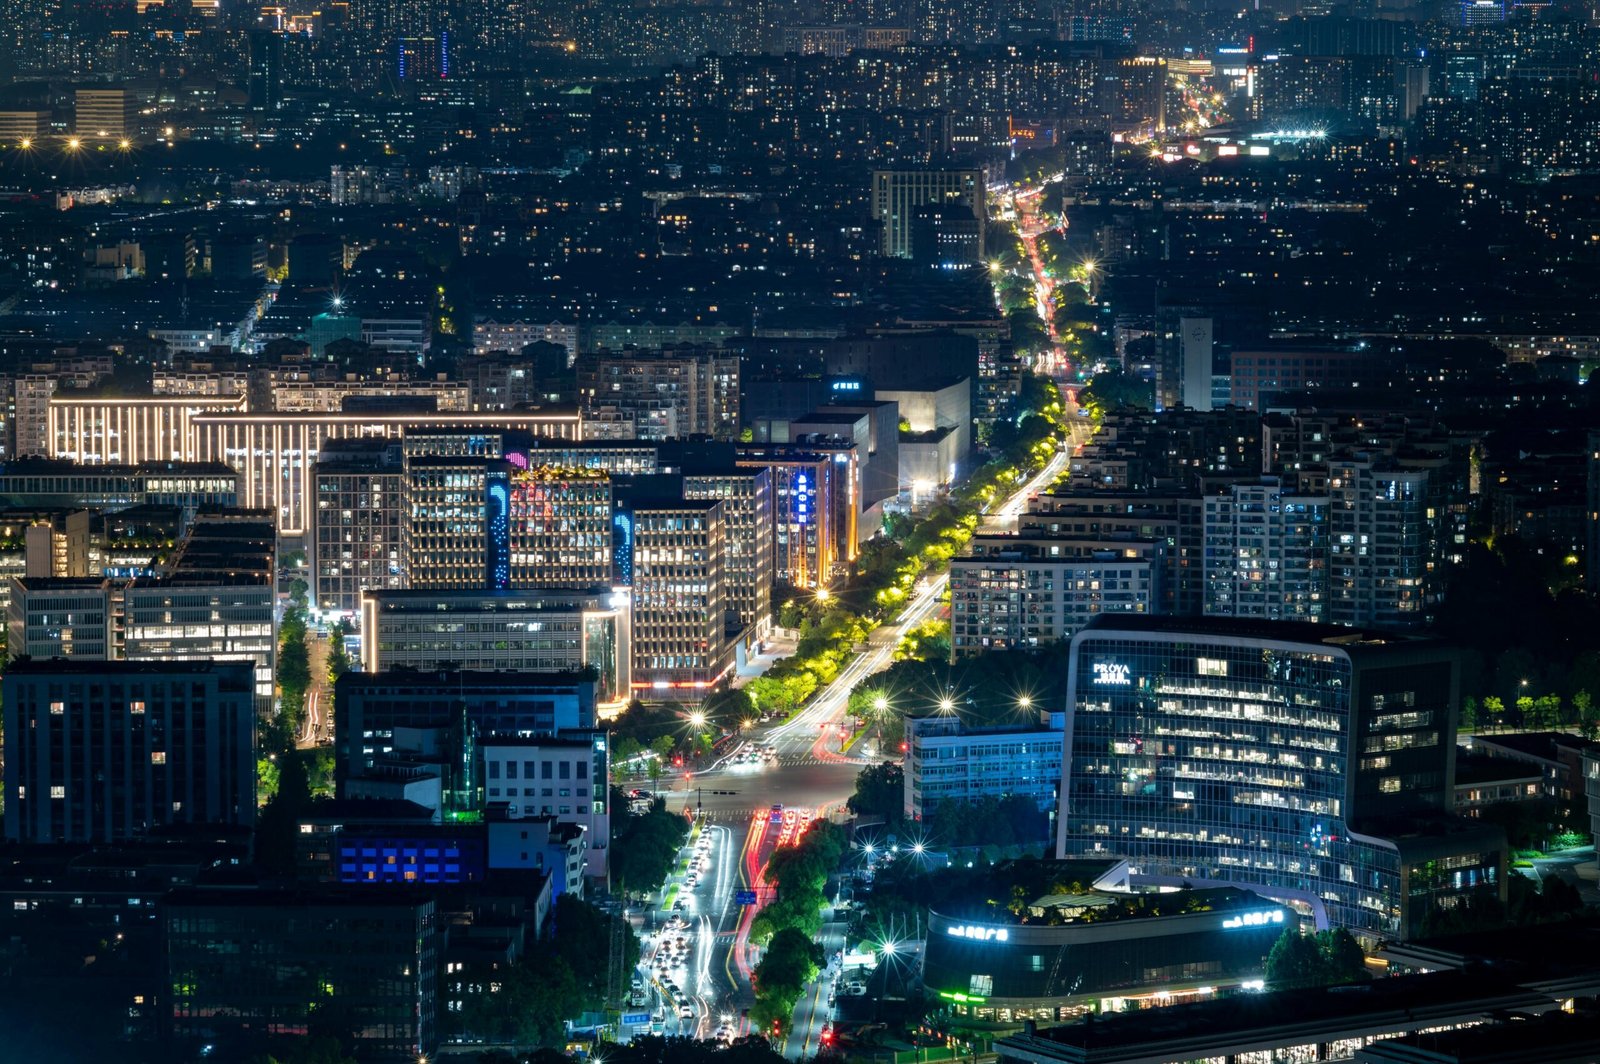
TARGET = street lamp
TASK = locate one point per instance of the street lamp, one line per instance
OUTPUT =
(823, 594)
(1025, 702)
(880, 704)
(946, 704)
(698, 719)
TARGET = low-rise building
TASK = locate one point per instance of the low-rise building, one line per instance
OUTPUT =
(567, 778)
(948, 761)
(544, 630)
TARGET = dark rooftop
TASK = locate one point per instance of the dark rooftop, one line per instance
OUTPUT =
(1317, 1013)
(1250, 628)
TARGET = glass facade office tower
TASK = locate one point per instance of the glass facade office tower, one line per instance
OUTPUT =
(1314, 763)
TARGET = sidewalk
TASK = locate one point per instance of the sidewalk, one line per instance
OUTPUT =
(779, 645)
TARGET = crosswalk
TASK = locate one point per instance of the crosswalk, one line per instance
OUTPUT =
(811, 759)
(728, 816)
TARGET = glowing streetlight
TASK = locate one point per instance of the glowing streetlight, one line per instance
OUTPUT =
(27, 142)
(918, 848)
(880, 703)
(1026, 702)
(124, 144)
(697, 719)
(947, 703)
(823, 594)
(73, 143)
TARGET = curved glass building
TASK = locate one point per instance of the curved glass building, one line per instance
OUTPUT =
(1310, 762)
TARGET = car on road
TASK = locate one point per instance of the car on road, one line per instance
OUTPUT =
(685, 1012)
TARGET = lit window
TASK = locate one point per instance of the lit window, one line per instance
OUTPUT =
(158, 757)
(58, 791)
(135, 707)
(57, 708)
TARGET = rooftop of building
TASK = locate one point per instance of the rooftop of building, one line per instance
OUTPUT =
(1476, 768)
(825, 416)
(330, 896)
(74, 667)
(423, 415)
(536, 742)
(38, 466)
(418, 679)
(1542, 744)
(933, 435)
(58, 583)
(366, 811)
(487, 599)
(1331, 635)
(1073, 906)
(1311, 1013)
(1552, 1037)
(1526, 952)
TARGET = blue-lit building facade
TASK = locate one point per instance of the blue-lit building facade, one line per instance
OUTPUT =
(1312, 763)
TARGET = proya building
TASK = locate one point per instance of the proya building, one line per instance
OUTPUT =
(1311, 763)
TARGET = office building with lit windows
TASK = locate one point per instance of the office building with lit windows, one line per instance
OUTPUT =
(899, 195)
(215, 600)
(242, 962)
(356, 542)
(1382, 522)
(455, 531)
(276, 453)
(949, 761)
(535, 630)
(102, 751)
(435, 721)
(112, 114)
(680, 644)
(746, 497)
(60, 617)
(47, 482)
(807, 537)
(487, 522)
(1312, 763)
(675, 392)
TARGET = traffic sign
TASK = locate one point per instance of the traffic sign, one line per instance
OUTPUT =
(744, 897)
(632, 1019)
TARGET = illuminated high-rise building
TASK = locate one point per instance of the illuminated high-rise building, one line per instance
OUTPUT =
(897, 195)
(680, 644)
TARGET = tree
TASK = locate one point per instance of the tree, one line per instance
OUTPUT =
(1469, 713)
(1295, 962)
(1545, 711)
(278, 825)
(880, 791)
(1588, 716)
(643, 845)
(1107, 391)
(1342, 958)
(1494, 709)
